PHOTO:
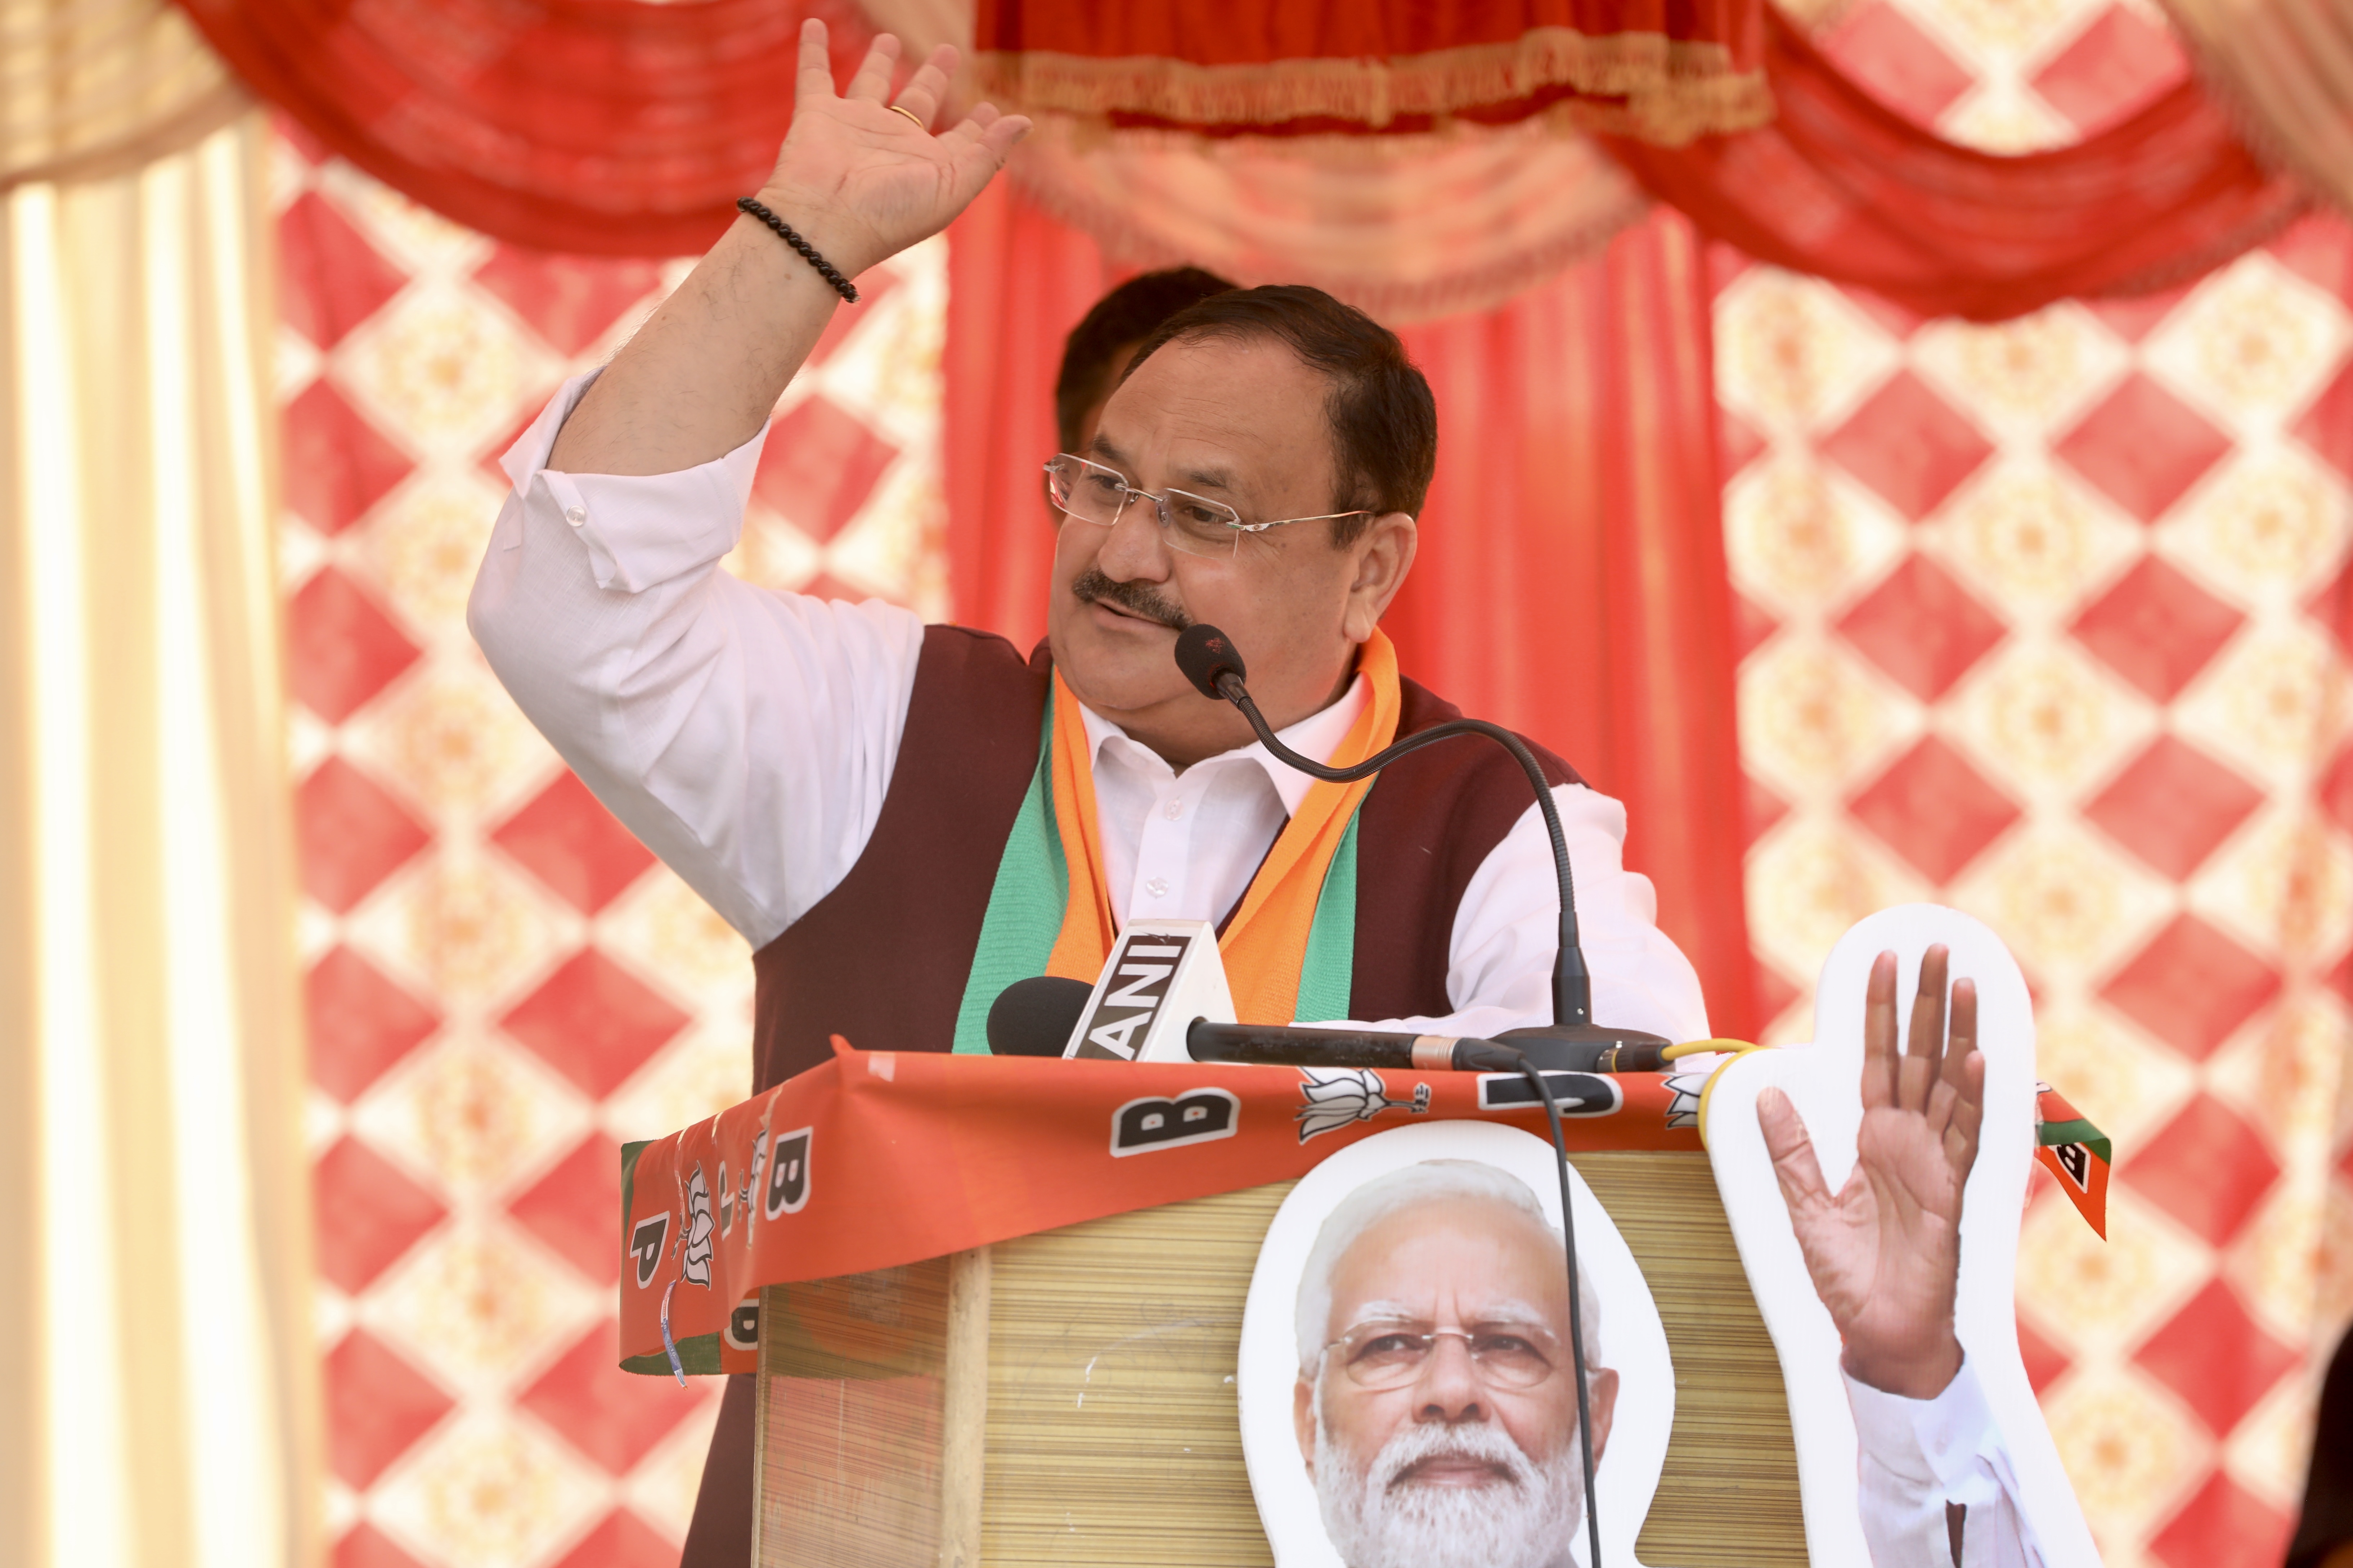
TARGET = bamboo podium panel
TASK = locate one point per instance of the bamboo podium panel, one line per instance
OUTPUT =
(1069, 1398)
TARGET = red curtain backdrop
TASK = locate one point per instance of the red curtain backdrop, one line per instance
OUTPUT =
(1017, 282)
(614, 128)
(1845, 187)
(1571, 581)
(602, 127)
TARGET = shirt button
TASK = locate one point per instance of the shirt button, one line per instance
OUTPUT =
(1157, 886)
(1174, 809)
(575, 515)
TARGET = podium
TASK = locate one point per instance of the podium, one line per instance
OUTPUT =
(1068, 1398)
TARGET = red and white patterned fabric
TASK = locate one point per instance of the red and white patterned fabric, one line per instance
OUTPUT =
(503, 985)
(2043, 621)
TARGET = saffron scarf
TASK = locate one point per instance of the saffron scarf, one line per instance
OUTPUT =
(1288, 949)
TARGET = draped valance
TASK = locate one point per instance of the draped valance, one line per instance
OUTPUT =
(1664, 70)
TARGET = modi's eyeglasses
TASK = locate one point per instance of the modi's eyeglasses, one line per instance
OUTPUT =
(1390, 1354)
(1194, 524)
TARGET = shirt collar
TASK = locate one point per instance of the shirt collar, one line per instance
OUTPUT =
(1315, 737)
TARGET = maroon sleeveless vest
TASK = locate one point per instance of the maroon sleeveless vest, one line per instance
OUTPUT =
(965, 761)
(882, 959)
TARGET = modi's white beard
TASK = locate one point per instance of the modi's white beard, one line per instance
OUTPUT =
(1527, 1521)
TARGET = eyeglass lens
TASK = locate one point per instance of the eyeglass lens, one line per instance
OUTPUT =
(1093, 493)
(1508, 1355)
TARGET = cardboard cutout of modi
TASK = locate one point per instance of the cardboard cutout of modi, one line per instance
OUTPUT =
(1408, 1395)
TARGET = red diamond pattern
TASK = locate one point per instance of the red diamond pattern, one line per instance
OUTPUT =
(1736, 443)
(349, 833)
(336, 465)
(819, 466)
(2117, 64)
(570, 300)
(2045, 1362)
(2328, 426)
(360, 1022)
(574, 846)
(2207, 1169)
(623, 1540)
(332, 278)
(361, 834)
(2132, 316)
(2192, 987)
(2224, 1524)
(341, 650)
(2157, 628)
(2143, 448)
(1922, 628)
(1761, 808)
(1750, 627)
(369, 1214)
(1935, 810)
(367, 1547)
(1878, 47)
(2217, 1358)
(2334, 792)
(593, 1022)
(614, 1417)
(2172, 806)
(378, 1405)
(570, 1209)
(1909, 444)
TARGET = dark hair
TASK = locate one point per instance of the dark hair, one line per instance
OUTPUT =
(1384, 422)
(1120, 320)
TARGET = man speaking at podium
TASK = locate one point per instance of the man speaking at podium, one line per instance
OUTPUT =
(901, 819)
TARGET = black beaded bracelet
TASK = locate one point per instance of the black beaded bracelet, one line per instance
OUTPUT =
(842, 286)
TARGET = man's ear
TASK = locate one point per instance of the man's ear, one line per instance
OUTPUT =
(1303, 1420)
(1604, 1403)
(1384, 553)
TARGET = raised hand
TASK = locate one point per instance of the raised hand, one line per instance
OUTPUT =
(868, 179)
(1885, 1251)
(857, 181)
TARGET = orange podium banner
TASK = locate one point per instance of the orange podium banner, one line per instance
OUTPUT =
(879, 1159)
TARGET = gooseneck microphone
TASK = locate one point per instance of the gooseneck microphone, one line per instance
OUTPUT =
(1573, 1042)
(1212, 662)
(1034, 1017)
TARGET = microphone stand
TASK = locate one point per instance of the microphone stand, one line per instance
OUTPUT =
(1573, 1042)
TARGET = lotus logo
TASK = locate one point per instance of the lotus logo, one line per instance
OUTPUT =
(1334, 1098)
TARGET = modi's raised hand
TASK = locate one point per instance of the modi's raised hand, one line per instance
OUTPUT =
(871, 179)
(1884, 1251)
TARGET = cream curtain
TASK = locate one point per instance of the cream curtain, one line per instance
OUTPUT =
(157, 1401)
(2286, 66)
(94, 88)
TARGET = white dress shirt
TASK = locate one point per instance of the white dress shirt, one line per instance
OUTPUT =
(1919, 1459)
(748, 737)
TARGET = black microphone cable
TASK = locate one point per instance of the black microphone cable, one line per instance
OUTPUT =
(1215, 667)
(1504, 1058)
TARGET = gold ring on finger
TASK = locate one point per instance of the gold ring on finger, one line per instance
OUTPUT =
(912, 118)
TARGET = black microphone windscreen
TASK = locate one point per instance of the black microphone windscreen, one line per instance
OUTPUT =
(1204, 653)
(1034, 1017)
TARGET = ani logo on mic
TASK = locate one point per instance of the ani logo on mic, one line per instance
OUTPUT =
(1131, 996)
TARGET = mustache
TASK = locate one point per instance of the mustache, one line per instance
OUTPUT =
(1091, 585)
(1403, 1456)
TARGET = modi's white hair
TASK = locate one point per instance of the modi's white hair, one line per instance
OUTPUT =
(1430, 1181)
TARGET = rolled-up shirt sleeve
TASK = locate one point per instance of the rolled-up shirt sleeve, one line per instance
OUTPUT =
(1937, 1489)
(746, 736)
